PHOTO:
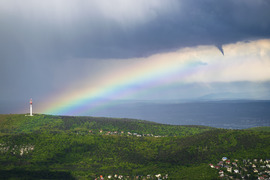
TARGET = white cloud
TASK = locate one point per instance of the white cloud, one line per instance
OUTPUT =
(243, 61)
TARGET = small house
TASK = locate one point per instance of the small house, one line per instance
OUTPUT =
(224, 158)
(236, 171)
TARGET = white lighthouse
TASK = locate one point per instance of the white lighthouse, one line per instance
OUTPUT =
(31, 110)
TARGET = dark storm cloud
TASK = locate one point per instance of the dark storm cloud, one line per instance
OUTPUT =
(208, 22)
(89, 33)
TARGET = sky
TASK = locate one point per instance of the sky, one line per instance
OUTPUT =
(70, 56)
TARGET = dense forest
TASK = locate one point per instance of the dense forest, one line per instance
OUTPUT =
(65, 147)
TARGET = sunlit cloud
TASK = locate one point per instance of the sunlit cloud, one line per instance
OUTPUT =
(243, 61)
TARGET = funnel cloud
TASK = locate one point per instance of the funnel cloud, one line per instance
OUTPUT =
(220, 48)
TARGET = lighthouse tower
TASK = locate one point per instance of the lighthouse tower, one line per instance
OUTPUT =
(31, 110)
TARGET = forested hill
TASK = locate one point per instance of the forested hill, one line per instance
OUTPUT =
(63, 147)
(25, 124)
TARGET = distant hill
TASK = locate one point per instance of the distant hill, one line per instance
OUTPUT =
(19, 123)
(65, 147)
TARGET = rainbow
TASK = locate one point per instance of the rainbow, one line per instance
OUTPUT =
(156, 71)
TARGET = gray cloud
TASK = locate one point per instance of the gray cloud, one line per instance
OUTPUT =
(93, 32)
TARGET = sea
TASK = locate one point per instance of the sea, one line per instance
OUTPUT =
(229, 114)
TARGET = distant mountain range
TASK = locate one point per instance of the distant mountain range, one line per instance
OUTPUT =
(236, 96)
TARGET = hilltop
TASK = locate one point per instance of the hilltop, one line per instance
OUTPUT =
(66, 147)
(19, 123)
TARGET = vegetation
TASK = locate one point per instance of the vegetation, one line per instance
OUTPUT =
(63, 147)
(26, 124)
(266, 128)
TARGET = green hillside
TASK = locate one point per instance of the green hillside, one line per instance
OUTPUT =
(63, 147)
(266, 128)
(26, 124)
